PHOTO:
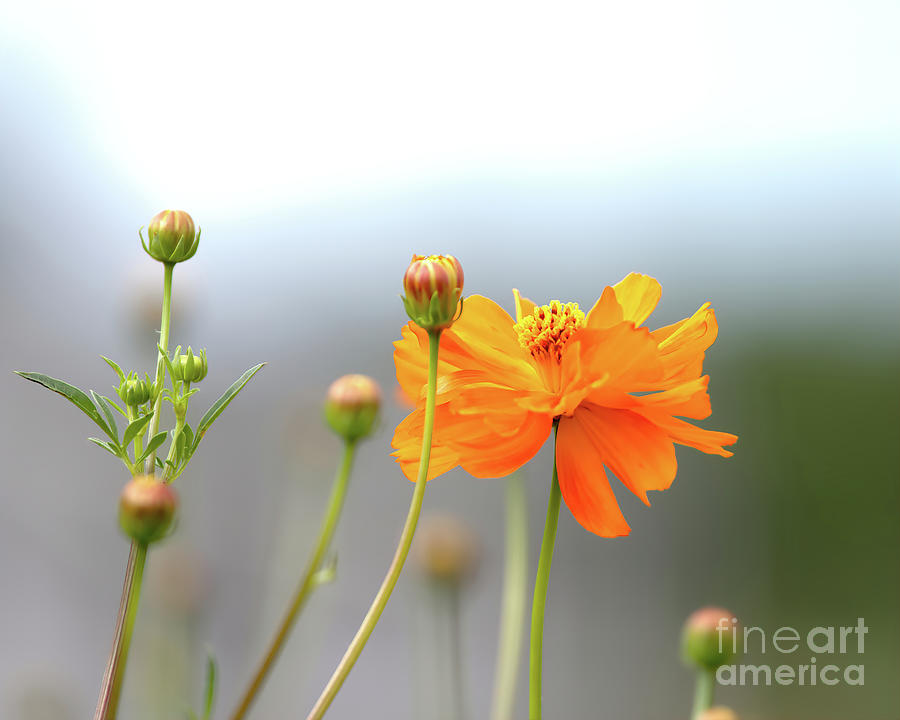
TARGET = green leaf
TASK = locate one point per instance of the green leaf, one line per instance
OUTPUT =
(113, 430)
(115, 406)
(116, 369)
(168, 362)
(188, 439)
(218, 407)
(135, 428)
(77, 397)
(154, 443)
(210, 694)
(106, 446)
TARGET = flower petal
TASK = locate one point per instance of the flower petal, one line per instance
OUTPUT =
(638, 295)
(482, 339)
(606, 311)
(583, 482)
(637, 451)
(682, 345)
(407, 444)
(524, 306)
(711, 442)
(499, 455)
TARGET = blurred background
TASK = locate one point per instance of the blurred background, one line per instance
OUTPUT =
(744, 153)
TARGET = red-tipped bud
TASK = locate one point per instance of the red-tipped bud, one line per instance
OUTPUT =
(711, 637)
(146, 508)
(351, 406)
(718, 713)
(171, 237)
(433, 287)
(447, 548)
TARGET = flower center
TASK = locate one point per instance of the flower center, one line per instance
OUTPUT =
(546, 331)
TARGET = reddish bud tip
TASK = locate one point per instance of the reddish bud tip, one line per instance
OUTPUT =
(146, 508)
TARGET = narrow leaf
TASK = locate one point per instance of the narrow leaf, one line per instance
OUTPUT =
(210, 687)
(218, 407)
(113, 429)
(116, 369)
(115, 406)
(78, 397)
(135, 428)
(106, 446)
(154, 443)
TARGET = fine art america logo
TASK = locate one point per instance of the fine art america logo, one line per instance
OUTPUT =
(828, 649)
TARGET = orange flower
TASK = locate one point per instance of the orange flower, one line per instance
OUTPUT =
(616, 388)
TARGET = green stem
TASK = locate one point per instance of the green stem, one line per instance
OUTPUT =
(111, 687)
(515, 588)
(307, 583)
(150, 467)
(703, 692)
(179, 426)
(409, 529)
(539, 604)
(138, 441)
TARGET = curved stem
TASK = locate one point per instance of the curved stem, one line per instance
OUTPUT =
(307, 583)
(409, 529)
(111, 688)
(703, 692)
(515, 587)
(541, 584)
(150, 467)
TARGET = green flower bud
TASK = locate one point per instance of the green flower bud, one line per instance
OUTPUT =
(171, 237)
(351, 406)
(146, 508)
(433, 287)
(189, 367)
(134, 391)
(711, 637)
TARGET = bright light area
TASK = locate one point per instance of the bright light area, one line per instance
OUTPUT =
(218, 105)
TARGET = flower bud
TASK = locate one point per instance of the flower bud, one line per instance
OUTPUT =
(718, 713)
(351, 406)
(433, 287)
(711, 637)
(189, 367)
(171, 237)
(134, 391)
(446, 548)
(146, 508)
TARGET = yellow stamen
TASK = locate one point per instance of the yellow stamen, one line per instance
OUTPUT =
(546, 331)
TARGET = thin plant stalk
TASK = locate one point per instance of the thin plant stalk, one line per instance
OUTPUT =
(512, 613)
(703, 692)
(409, 529)
(539, 604)
(307, 582)
(111, 688)
(168, 268)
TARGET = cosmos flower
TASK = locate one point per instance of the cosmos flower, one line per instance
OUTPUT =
(616, 390)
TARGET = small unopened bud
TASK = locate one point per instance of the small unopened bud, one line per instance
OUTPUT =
(171, 237)
(718, 713)
(352, 405)
(433, 287)
(146, 508)
(446, 548)
(134, 391)
(189, 367)
(711, 637)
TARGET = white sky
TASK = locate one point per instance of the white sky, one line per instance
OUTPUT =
(259, 106)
